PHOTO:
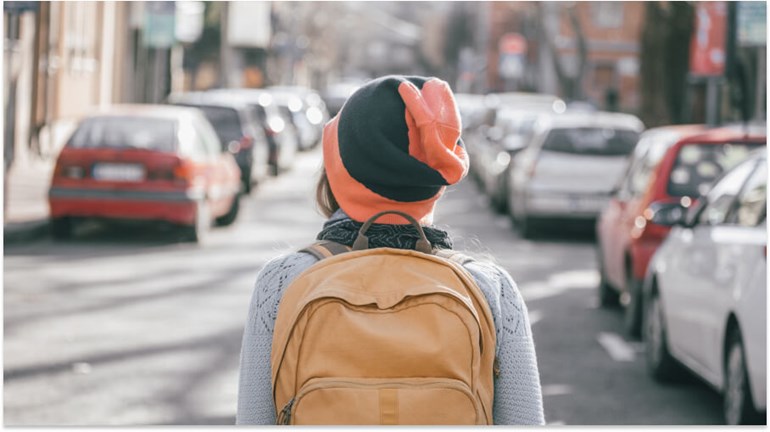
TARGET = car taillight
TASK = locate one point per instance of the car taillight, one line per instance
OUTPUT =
(184, 172)
(246, 142)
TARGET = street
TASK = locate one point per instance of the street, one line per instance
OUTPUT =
(127, 326)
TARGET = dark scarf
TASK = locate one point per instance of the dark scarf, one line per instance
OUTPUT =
(345, 230)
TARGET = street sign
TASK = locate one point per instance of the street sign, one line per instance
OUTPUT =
(512, 43)
(189, 20)
(752, 23)
(159, 24)
(707, 47)
(248, 24)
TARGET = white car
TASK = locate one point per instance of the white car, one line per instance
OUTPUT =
(570, 166)
(706, 293)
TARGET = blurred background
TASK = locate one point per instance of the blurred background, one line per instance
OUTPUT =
(594, 130)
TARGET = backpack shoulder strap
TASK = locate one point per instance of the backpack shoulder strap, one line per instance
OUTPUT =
(325, 249)
(451, 255)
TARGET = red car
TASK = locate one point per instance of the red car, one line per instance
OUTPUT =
(145, 162)
(670, 168)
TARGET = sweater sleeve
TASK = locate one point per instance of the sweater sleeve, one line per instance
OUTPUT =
(255, 396)
(518, 395)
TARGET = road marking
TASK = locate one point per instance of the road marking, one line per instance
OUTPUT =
(534, 317)
(556, 423)
(556, 389)
(559, 283)
(616, 347)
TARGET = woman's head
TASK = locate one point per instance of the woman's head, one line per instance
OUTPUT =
(395, 145)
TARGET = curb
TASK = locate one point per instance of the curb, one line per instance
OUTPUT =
(21, 232)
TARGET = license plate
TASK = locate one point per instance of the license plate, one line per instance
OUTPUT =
(118, 172)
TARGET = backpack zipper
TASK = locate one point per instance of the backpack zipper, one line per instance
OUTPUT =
(284, 417)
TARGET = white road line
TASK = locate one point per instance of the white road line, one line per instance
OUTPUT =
(534, 317)
(556, 423)
(616, 347)
(556, 389)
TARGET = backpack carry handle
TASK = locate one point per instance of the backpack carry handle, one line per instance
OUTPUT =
(362, 241)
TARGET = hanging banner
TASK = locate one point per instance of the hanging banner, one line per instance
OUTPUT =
(707, 47)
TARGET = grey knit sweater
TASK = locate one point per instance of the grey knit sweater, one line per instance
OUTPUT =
(518, 398)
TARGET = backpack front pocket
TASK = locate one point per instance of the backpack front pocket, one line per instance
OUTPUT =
(395, 401)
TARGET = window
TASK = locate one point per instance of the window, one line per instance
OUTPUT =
(592, 141)
(698, 165)
(211, 142)
(720, 199)
(750, 209)
(144, 133)
(607, 14)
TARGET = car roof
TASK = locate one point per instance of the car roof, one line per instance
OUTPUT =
(209, 99)
(576, 119)
(144, 110)
(725, 134)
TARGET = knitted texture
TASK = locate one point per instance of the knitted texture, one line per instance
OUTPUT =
(518, 396)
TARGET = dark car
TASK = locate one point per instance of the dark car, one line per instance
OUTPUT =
(237, 126)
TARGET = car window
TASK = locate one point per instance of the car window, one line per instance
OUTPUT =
(225, 121)
(135, 132)
(721, 198)
(750, 207)
(698, 165)
(591, 141)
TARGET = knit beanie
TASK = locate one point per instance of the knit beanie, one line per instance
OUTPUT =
(395, 145)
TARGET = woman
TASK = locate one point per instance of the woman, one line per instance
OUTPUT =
(395, 145)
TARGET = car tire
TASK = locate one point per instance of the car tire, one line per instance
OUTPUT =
(198, 231)
(660, 364)
(232, 214)
(632, 317)
(62, 228)
(738, 406)
(608, 297)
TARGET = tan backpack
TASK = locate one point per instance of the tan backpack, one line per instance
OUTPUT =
(383, 336)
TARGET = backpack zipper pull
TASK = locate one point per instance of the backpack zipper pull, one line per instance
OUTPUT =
(496, 367)
(284, 418)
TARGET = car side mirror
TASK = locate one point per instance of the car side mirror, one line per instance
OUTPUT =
(668, 214)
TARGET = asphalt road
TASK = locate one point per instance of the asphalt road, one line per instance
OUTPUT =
(128, 326)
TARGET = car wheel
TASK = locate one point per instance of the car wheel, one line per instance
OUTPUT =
(62, 228)
(608, 297)
(738, 405)
(660, 364)
(632, 319)
(229, 217)
(198, 231)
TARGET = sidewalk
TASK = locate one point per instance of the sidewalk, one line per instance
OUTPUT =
(26, 206)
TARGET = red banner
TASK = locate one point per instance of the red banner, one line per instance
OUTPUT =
(707, 47)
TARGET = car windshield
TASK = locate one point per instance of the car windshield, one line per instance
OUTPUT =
(698, 165)
(592, 141)
(225, 121)
(126, 132)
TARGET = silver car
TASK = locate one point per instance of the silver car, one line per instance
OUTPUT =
(570, 166)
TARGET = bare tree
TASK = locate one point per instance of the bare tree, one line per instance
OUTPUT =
(571, 84)
(664, 61)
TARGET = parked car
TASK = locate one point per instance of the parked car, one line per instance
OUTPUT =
(281, 139)
(570, 167)
(706, 293)
(510, 133)
(145, 162)
(672, 167)
(238, 129)
(335, 95)
(309, 111)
